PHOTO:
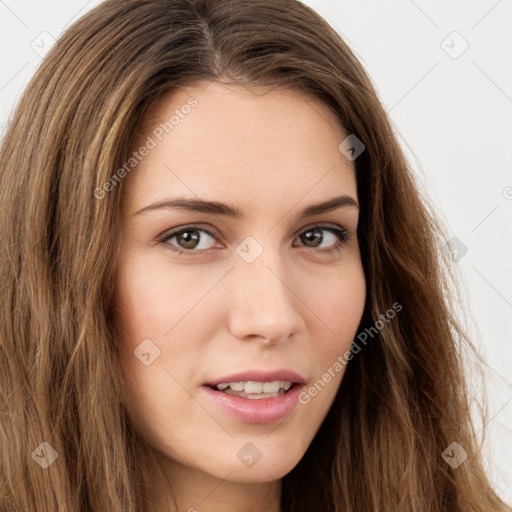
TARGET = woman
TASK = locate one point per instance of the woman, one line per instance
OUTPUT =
(145, 371)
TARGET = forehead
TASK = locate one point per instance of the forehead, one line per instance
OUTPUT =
(245, 144)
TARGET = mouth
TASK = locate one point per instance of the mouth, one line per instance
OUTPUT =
(251, 402)
(256, 397)
(255, 390)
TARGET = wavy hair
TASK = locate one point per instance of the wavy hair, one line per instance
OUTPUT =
(403, 399)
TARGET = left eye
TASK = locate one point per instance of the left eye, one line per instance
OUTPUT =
(339, 236)
(188, 240)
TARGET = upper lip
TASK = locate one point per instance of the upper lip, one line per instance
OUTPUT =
(260, 376)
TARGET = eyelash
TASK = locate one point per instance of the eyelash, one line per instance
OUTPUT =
(342, 234)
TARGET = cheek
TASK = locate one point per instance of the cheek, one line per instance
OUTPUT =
(339, 307)
(150, 301)
(154, 296)
(159, 312)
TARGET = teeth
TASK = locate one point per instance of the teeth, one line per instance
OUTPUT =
(270, 387)
(256, 387)
(236, 386)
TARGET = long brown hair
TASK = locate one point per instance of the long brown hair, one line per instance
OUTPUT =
(404, 397)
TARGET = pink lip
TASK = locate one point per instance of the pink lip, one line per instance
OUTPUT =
(257, 411)
(260, 376)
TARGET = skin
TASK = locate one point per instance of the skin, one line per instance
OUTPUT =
(271, 153)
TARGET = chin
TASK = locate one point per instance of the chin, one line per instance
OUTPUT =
(257, 462)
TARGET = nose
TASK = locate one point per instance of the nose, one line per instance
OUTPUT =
(263, 301)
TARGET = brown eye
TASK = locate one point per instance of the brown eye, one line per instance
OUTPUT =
(188, 240)
(314, 237)
(193, 240)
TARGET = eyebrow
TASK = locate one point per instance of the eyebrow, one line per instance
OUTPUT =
(217, 208)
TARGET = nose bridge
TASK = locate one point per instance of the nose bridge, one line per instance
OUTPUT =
(263, 303)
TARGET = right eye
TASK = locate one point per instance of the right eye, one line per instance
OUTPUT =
(188, 238)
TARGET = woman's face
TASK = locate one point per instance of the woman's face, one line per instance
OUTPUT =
(204, 297)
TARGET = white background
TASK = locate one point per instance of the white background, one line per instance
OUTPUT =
(453, 114)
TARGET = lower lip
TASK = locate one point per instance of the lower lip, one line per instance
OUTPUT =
(258, 410)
